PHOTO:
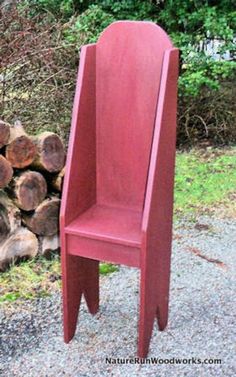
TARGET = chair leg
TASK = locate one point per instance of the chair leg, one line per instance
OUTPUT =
(154, 297)
(163, 299)
(163, 287)
(91, 288)
(148, 308)
(79, 276)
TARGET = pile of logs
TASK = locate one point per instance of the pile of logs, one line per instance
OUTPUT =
(31, 178)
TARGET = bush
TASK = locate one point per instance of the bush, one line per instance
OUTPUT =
(208, 118)
(205, 85)
(56, 9)
(206, 109)
(88, 26)
(37, 72)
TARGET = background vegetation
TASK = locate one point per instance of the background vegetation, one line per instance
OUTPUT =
(40, 55)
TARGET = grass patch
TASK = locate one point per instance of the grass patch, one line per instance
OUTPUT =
(205, 180)
(107, 268)
(30, 279)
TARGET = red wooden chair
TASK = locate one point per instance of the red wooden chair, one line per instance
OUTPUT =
(118, 190)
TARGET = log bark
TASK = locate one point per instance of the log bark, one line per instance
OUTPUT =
(49, 245)
(21, 150)
(50, 152)
(10, 216)
(4, 133)
(21, 243)
(45, 220)
(6, 172)
(4, 224)
(28, 190)
(57, 181)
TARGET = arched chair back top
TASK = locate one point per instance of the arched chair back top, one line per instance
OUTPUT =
(129, 57)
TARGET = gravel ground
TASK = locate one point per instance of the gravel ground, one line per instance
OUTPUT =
(200, 323)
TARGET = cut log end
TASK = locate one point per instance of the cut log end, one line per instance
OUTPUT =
(21, 243)
(4, 133)
(45, 220)
(21, 152)
(25, 215)
(50, 152)
(29, 190)
(50, 245)
(6, 172)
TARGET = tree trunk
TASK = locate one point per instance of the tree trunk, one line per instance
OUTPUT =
(4, 133)
(10, 217)
(45, 220)
(57, 181)
(50, 152)
(20, 151)
(6, 172)
(28, 190)
(21, 243)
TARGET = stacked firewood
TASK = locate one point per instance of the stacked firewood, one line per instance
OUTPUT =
(31, 177)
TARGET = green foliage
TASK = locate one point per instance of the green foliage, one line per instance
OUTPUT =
(87, 27)
(192, 25)
(59, 9)
(203, 72)
(124, 9)
(128, 9)
(107, 268)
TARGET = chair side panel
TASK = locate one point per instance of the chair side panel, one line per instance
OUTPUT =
(79, 191)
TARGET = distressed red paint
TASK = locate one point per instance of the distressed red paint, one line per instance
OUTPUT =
(117, 200)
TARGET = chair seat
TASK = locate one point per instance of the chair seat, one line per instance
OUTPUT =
(110, 224)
